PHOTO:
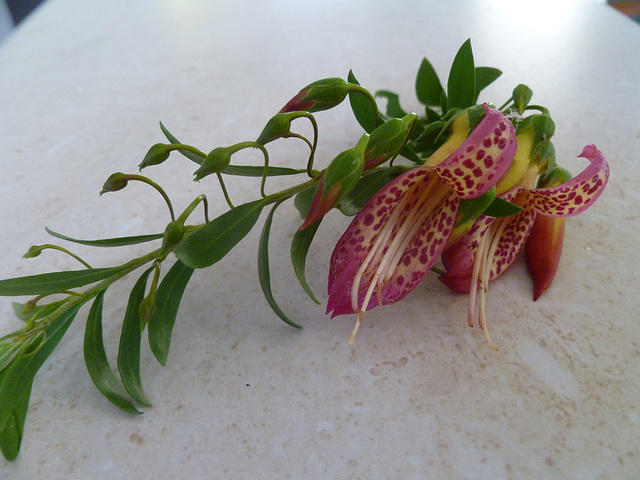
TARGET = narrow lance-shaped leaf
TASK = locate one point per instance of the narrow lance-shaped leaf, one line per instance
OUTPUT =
(502, 208)
(362, 108)
(211, 242)
(428, 87)
(299, 249)
(168, 299)
(18, 377)
(485, 76)
(108, 242)
(263, 268)
(54, 282)
(303, 200)
(11, 434)
(258, 171)
(129, 349)
(461, 85)
(194, 157)
(394, 109)
(97, 363)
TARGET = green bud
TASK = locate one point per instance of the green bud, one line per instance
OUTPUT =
(320, 95)
(216, 161)
(343, 173)
(279, 126)
(173, 235)
(387, 140)
(157, 154)
(521, 97)
(115, 182)
(34, 251)
(338, 180)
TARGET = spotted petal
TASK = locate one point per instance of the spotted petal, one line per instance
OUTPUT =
(482, 159)
(579, 193)
(399, 234)
(509, 233)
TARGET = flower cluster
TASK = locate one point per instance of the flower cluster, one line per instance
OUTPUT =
(466, 184)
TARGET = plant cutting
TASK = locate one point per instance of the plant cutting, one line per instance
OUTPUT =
(463, 183)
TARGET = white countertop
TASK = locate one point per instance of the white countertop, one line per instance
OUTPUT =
(419, 395)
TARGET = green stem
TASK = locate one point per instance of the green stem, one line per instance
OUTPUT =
(358, 89)
(51, 246)
(159, 189)
(189, 148)
(224, 190)
(80, 299)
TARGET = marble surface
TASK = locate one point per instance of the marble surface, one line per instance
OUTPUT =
(420, 395)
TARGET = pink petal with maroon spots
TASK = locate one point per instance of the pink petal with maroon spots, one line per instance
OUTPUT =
(512, 241)
(459, 258)
(396, 202)
(483, 158)
(579, 193)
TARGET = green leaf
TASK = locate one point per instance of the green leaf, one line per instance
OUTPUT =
(108, 242)
(17, 379)
(299, 249)
(362, 108)
(194, 157)
(263, 268)
(211, 242)
(8, 351)
(428, 87)
(473, 208)
(303, 200)
(97, 363)
(11, 434)
(55, 282)
(502, 208)
(485, 76)
(367, 187)
(168, 299)
(129, 349)
(258, 171)
(461, 86)
(394, 109)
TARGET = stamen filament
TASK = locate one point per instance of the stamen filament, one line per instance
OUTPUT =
(389, 247)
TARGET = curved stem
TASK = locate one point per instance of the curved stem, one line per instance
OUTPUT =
(224, 190)
(189, 148)
(357, 88)
(51, 246)
(159, 189)
(313, 147)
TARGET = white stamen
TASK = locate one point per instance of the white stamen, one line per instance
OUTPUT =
(385, 260)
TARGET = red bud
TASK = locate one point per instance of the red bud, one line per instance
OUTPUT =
(543, 251)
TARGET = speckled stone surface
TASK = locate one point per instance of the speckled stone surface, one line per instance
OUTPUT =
(419, 395)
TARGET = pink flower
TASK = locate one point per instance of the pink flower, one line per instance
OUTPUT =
(395, 239)
(491, 246)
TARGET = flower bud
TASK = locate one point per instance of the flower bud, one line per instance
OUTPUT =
(157, 154)
(387, 140)
(117, 181)
(216, 161)
(319, 95)
(521, 97)
(337, 181)
(543, 250)
(278, 126)
(544, 245)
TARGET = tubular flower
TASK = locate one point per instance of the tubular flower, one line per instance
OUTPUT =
(395, 239)
(491, 246)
